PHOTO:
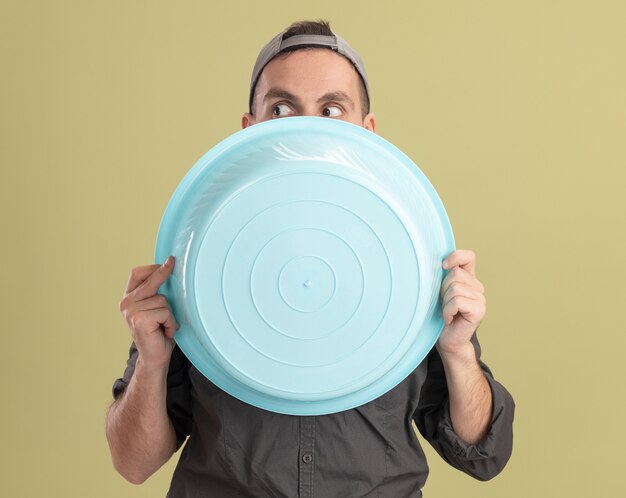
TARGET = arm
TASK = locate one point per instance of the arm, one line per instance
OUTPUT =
(140, 434)
(463, 412)
(470, 397)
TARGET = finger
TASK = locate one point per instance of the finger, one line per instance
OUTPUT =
(147, 322)
(462, 258)
(458, 274)
(151, 303)
(138, 275)
(151, 285)
(469, 309)
(170, 326)
(460, 289)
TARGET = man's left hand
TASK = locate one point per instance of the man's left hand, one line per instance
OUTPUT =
(463, 302)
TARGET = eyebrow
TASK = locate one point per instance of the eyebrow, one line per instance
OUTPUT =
(338, 96)
(279, 93)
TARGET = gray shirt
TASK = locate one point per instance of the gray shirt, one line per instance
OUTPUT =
(237, 450)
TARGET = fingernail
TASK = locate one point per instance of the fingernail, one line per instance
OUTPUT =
(167, 261)
(445, 264)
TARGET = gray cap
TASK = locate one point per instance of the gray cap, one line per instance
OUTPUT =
(277, 45)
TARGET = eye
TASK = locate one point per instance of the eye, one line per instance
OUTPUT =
(281, 110)
(332, 111)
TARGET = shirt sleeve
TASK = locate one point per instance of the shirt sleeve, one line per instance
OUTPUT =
(178, 390)
(483, 460)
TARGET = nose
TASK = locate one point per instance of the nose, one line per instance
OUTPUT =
(309, 111)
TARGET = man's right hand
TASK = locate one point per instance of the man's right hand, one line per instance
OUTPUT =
(149, 315)
(140, 434)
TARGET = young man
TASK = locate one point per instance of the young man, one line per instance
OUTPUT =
(237, 450)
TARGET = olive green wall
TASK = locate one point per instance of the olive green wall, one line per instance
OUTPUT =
(516, 111)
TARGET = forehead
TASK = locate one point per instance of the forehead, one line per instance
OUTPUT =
(317, 70)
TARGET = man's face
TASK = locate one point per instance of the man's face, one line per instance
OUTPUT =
(316, 82)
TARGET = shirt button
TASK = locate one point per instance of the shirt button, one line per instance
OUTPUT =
(307, 458)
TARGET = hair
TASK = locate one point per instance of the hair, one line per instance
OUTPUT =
(319, 27)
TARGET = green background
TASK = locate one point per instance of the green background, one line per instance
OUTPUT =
(516, 111)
